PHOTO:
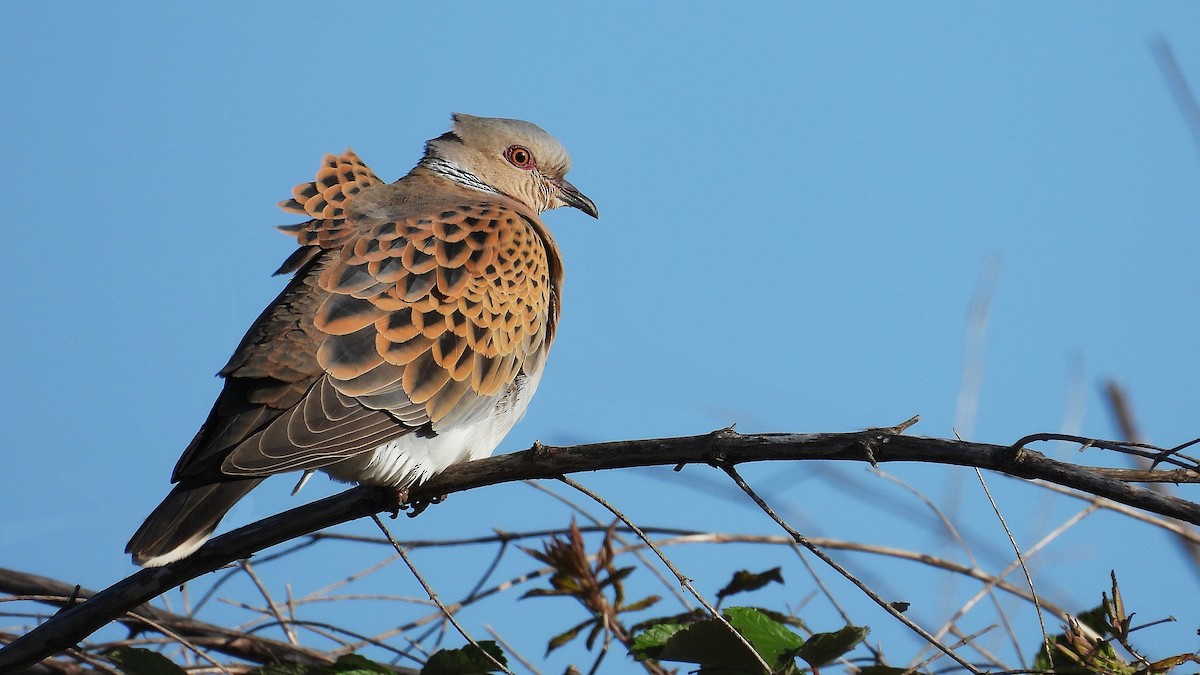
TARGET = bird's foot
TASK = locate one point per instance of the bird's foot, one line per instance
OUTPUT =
(399, 501)
(418, 506)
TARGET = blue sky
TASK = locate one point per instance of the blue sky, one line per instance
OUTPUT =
(798, 203)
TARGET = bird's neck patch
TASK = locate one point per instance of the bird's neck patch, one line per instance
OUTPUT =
(451, 171)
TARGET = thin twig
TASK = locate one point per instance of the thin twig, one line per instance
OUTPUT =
(1178, 85)
(603, 652)
(683, 580)
(803, 541)
(998, 579)
(967, 640)
(221, 639)
(272, 607)
(970, 641)
(1122, 410)
(181, 640)
(1178, 529)
(1037, 604)
(967, 403)
(75, 622)
(1159, 455)
(972, 378)
(501, 550)
(291, 603)
(812, 572)
(365, 572)
(510, 650)
(433, 595)
(962, 543)
(653, 569)
(333, 630)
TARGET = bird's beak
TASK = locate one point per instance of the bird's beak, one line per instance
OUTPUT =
(570, 195)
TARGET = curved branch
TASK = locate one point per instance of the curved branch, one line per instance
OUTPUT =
(723, 447)
(218, 638)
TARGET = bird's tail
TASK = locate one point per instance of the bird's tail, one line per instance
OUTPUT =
(185, 520)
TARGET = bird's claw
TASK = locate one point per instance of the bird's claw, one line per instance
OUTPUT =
(418, 506)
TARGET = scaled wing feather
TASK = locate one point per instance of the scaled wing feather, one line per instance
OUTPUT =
(419, 318)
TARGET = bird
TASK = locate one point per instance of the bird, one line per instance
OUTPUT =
(411, 336)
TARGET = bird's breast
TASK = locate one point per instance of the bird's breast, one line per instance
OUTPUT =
(415, 457)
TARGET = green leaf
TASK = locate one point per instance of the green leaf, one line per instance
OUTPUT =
(468, 660)
(1170, 662)
(644, 603)
(617, 575)
(825, 647)
(1067, 661)
(350, 664)
(648, 643)
(1042, 660)
(788, 668)
(782, 618)
(745, 580)
(770, 638)
(566, 636)
(1097, 620)
(684, 619)
(135, 661)
(292, 669)
(353, 664)
(710, 644)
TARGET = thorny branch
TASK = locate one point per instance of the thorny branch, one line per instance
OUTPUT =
(721, 448)
(217, 638)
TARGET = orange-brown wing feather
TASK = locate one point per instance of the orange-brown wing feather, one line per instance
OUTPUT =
(270, 372)
(273, 380)
(324, 199)
(454, 305)
(425, 320)
(339, 179)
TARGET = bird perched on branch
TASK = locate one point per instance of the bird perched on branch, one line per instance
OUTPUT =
(411, 336)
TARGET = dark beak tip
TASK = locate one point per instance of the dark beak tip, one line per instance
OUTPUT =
(571, 196)
(579, 201)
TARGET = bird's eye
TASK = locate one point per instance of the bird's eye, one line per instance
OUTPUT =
(519, 157)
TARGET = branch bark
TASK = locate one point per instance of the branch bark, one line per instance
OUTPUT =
(220, 639)
(719, 448)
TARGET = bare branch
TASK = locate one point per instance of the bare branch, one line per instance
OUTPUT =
(724, 447)
(1178, 85)
(433, 594)
(888, 607)
(217, 638)
(1122, 411)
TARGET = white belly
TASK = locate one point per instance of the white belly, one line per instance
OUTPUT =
(414, 458)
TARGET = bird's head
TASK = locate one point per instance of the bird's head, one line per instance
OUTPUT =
(513, 157)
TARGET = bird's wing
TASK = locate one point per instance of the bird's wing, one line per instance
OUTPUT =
(275, 365)
(424, 319)
(324, 199)
(270, 372)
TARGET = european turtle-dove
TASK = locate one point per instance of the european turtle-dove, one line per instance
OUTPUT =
(411, 336)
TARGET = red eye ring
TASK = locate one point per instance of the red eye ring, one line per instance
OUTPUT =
(520, 157)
